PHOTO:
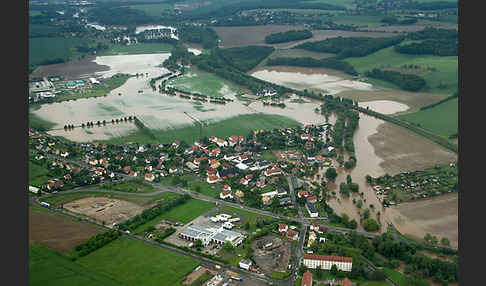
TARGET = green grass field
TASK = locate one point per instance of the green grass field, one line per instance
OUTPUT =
(396, 276)
(446, 67)
(269, 156)
(205, 83)
(131, 186)
(140, 48)
(369, 21)
(442, 119)
(48, 267)
(42, 49)
(133, 262)
(153, 10)
(188, 211)
(38, 175)
(205, 189)
(34, 13)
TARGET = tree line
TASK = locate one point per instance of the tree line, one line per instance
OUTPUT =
(96, 242)
(350, 47)
(409, 82)
(332, 63)
(438, 47)
(288, 36)
(454, 95)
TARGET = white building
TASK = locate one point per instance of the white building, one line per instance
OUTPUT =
(245, 264)
(33, 189)
(211, 234)
(311, 210)
(326, 262)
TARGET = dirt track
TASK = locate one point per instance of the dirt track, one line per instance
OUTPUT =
(58, 232)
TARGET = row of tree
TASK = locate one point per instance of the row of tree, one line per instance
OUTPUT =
(332, 63)
(410, 82)
(288, 36)
(96, 242)
(352, 46)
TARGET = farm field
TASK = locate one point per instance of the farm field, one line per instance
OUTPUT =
(140, 200)
(446, 67)
(47, 49)
(205, 189)
(58, 232)
(47, 267)
(235, 36)
(447, 112)
(133, 262)
(140, 48)
(205, 83)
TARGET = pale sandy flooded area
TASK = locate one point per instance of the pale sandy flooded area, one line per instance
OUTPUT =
(299, 79)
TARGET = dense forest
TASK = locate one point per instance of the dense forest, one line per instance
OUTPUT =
(433, 33)
(331, 63)
(288, 36)
(438, 47)
(244, 58)
(408, 82)
(118, 16)
(200, 35)
(350, 47)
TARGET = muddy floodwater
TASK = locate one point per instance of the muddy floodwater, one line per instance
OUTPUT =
(323, 82)
(384, 106)
(380, 148)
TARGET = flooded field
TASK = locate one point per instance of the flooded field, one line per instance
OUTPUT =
(384, 106)
(323, 80)
(131, 64)
(235, 36)
(96, 133)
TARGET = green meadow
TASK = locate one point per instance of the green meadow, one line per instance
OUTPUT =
(132, 262)
(446, 72)
(442, 119)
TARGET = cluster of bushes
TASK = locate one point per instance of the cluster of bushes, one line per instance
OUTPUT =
(244, 58)
(288, 36)
(350, 47)
(438, 47)
(151, 213)
(167, 232)
(96, 242)
(332, 63)
(408, 82)
(371, 225)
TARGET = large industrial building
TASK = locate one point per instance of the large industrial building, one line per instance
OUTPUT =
(208, 234)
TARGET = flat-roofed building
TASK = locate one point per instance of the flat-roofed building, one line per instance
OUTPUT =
(211, 234)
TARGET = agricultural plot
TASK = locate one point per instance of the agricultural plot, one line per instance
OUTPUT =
(131, 186)
(444, 79)
(153, 10)
(43, 50)
(133, 262)
(58, 232)
(448, 112)
(47, 267)
(140, 48)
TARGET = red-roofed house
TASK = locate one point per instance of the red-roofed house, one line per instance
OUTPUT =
(273, 171)
(305, 136)
(126, 169)
(212, 179)
(307, 279)
(249, 176)
(67, 176)
(175, 144)
(283, 228)
(215, 152)
(346, 282)
(312, 199)
(244, 181)
(149, 177)
(226, 188)
(325, 262)
(173, 169)
(225, 195)
(261, 184)
(302, 193)
(292, 234)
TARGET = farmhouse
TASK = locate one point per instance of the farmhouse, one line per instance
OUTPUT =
(326, 262)
(225, 195)
(211, 234)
